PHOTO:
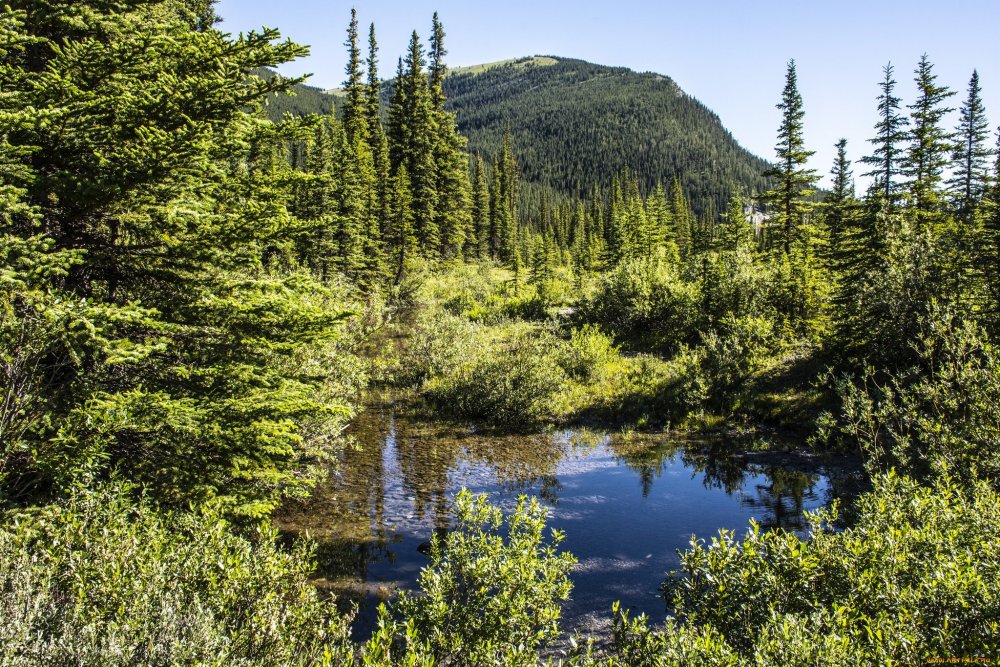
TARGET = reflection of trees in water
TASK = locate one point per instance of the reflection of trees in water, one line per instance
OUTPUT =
(646, 457)
(398, 461)
(781, 497)
(719, 470)
(425, 458)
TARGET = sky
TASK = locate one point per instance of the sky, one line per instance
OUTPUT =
(729, 54)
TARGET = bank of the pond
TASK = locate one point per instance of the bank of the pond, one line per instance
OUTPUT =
(626, 501)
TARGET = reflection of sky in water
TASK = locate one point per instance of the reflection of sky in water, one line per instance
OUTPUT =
(625, 509)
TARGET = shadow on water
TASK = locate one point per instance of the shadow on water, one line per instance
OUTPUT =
(627, 502)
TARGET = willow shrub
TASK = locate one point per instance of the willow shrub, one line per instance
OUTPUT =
(647, 303)
(914, 579)
(101, 580)
(941, 415)
(490, 596)
(509, 381)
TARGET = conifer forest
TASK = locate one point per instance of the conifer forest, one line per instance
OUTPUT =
(303, 377)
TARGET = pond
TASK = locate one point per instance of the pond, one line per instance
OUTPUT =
(627, 502)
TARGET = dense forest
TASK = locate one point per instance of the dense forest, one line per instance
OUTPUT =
(194, 298)
(574, 125)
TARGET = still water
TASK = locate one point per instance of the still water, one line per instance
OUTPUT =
(626, 502)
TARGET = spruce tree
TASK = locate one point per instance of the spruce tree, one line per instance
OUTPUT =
(418, 151)
(451, 160)
(735, 233)
(972, 153)
(478, 243)
(402, 233)
(793, 181)
(931, 146)
(680, 213)
(840, 207)
(135, 238)
(377, 140)
(355, 114)
(890, 133)
(988, 253)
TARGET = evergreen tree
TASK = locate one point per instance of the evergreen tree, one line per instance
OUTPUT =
(793, 180)
(931, 146)
(972, 153)
(504, 198)
(890, 133)
(437, 68)
(133, 243)
(479, 239)
(989, 247)
(402, 233)
(451, 162)
(735, 233)
(682, 216)
(840, 207)
(418, 151)
(355, 114)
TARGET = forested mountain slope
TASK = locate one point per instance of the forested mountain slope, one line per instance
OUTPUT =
(575, 124)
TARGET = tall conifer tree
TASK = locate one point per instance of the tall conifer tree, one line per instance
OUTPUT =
(972, 153)
(890, 133)
(931, 146)
(793, 179)
(355, 114)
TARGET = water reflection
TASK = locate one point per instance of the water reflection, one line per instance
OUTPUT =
(626, 502)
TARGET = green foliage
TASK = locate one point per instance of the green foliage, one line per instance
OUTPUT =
(587, 351)
(99, 579)
(646, 300)
(491, 593)
(941, 416)
(913, 579)
(510, 383)
(793, 180)
(735, 352)
(141, 332)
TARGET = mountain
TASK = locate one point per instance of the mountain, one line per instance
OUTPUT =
(575, 124)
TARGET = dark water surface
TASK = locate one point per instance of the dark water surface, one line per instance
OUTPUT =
(626, 502)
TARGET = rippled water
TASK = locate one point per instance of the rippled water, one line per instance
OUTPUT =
(627, 503)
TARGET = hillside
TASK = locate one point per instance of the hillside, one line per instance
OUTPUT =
(575, 124)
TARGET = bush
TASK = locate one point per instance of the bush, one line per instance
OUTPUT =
(490, 596)
(511, 382)
(439, 342)
(100, 580)
(939, 417)
(735, 352)
(586, 352)
(645, 301)
(915, 578)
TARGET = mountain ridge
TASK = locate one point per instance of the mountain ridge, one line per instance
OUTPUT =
(575, 125)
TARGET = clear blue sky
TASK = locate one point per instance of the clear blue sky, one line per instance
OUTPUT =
(730, 54)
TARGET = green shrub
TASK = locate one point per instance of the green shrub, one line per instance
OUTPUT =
(734, 352)
(490, 595)
(438, 343)
(100, 580)
(914, 579)
(941, 416)
(645, 301)
(511, 381)
(586, 352)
